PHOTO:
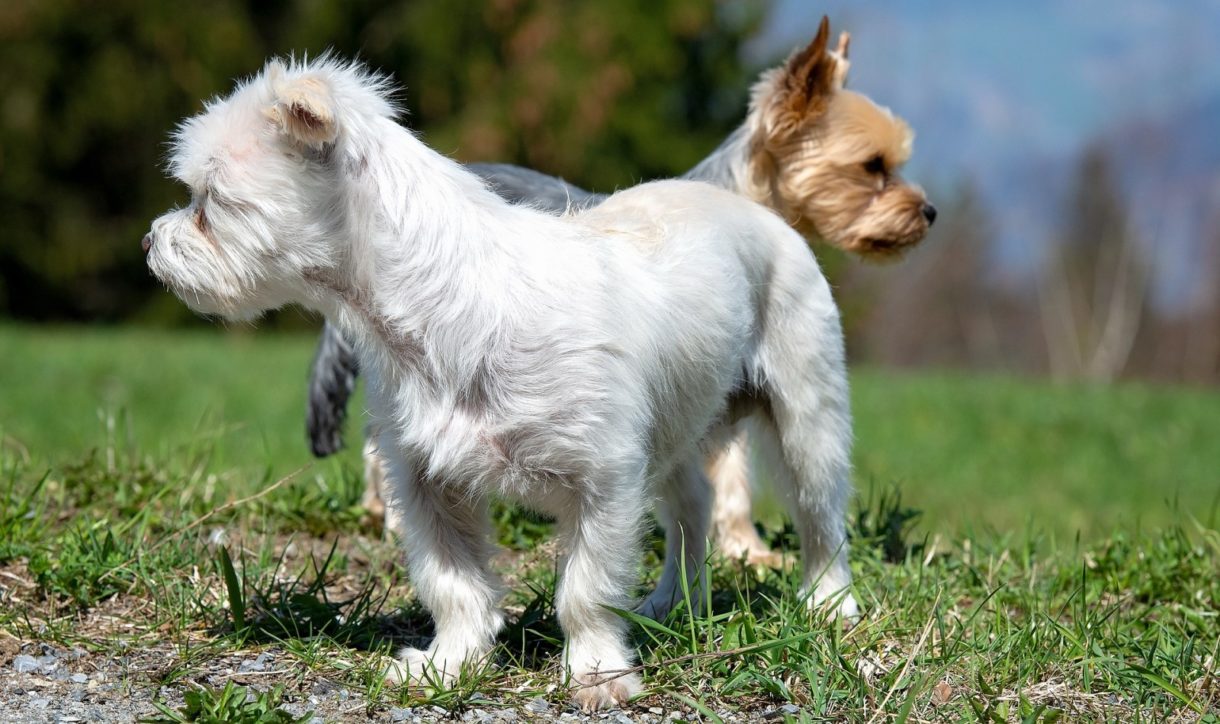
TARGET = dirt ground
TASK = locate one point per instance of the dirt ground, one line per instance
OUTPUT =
(41, 683)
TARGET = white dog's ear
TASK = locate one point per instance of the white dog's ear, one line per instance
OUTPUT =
(304, 106)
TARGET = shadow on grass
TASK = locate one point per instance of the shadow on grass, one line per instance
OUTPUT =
(275, 609)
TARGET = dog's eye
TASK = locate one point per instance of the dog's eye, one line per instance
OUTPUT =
(875, 165)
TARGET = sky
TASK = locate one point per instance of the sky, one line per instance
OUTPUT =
(1000, 81)
(1003, 92)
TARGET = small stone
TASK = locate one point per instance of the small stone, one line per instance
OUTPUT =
(658, 711)
(40, 703)
(79, 678)
(538, 706)
(24, 664)
(296, 710)
(506, 715)
(259, 664)
(942, 693)
(343, 694)
(622, 718)
(790, 709)
(401, 714)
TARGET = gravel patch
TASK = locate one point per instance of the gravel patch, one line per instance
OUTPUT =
(41, 683)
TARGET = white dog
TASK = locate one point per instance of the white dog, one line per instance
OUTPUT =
(572, 364)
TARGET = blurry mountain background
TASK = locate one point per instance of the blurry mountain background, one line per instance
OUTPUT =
(1071, 147)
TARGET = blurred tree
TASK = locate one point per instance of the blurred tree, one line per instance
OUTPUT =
(603, 94)
(1201, 326)
(1094, 287)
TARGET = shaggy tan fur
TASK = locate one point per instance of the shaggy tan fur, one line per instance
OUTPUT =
(828, 158)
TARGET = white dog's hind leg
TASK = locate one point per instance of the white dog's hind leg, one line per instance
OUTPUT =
(448, 548)
(817, 508)
(803, 381)
(600, 535)
(683, 510)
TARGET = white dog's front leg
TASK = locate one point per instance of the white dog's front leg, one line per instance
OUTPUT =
(600, 534)
(448, 549)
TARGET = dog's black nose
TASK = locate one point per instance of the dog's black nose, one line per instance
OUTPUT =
(146, 243)
(929, 213)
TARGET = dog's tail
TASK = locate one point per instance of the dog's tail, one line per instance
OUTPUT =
(332, 377)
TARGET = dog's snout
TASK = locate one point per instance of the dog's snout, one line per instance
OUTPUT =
(146, 242)
(929, 213)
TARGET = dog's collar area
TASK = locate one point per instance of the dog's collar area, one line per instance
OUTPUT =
(403, 348)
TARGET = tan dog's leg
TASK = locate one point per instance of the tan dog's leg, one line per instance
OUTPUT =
(378, 514)
(728, 470)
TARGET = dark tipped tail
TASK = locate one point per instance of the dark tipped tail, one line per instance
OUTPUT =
(332, 377)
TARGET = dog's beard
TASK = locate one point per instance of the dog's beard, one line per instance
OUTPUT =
(195, 274)
(891, 224)
(851, 213)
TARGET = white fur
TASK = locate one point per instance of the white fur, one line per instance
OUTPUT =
(572, 364)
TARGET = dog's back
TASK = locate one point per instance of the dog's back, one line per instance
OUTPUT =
(703, 233)
(710, 270)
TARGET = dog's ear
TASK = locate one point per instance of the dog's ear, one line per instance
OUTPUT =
(842, 64)
(304, 107)
(807, 81)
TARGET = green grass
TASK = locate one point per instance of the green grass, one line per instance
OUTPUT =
(979, 451)
(235, 704)
(973, 453)
(143, 507)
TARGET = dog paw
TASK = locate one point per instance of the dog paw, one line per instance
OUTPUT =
(752, 553)
(658, 605)
(839, 605)
(767, 558)
(416, 667)
(595, 692)
(848, 610)
(655, 607)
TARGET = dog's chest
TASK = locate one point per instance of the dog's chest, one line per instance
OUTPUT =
(484, 450)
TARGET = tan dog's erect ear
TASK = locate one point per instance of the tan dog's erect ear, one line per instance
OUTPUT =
(303, 107)
(842, 63)
(808, 79)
